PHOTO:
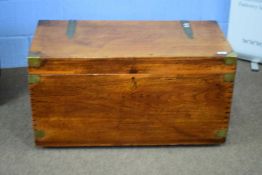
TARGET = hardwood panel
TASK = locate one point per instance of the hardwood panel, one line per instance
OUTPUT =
(125, 109)
(133, 66)
(128, 39)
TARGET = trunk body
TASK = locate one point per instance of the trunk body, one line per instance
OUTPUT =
(108, 83)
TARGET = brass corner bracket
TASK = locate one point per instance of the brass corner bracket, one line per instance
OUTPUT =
(34, 59)
(33, 79)
(229, 77)
(221, 133)
(39, 134)
(231, 58)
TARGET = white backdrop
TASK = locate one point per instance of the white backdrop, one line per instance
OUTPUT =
(245, 30)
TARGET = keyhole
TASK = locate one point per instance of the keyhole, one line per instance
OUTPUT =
(133, 83)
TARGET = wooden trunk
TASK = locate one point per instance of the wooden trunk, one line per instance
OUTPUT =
(130, 83)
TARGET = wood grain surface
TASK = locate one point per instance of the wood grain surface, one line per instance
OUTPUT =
(128, 39)
(160, 66)
(78, 110)
(130, 84)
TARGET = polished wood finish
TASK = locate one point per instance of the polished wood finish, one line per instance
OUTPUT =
(130, 109)
(122, 39)
(133, 66)
(130, 84)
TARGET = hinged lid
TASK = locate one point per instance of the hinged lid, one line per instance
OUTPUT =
(128, 39)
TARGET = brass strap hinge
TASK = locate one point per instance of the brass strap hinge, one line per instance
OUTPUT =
(71, 28)
(187, 29)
